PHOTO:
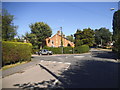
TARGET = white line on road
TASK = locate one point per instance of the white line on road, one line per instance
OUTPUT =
(41, 60)
(79, 56)
(54, 62)
(67, 63)
(60, 62)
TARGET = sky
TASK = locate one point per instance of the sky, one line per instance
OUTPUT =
(68, 15)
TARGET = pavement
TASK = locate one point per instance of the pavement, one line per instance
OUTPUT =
(35, 76)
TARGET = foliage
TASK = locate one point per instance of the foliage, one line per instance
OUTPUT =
(116, 32)
(81, 49)
(15, 51)
(55, 50)
(70, 38)
(68, 50)
(84, 37)
(102, 36)
(8, 28)
(39, 32)
(0, 26)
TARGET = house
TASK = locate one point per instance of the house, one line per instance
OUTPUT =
(56, 40)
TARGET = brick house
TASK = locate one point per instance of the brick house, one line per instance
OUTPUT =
(55, 41)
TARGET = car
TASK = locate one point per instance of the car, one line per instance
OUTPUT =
(45, 52)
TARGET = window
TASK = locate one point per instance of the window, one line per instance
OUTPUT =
(49, 41)
(68, 45)
(52, 42)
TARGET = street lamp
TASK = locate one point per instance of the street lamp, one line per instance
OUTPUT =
(112, 9)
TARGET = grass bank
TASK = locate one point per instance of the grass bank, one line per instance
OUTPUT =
(13, 65)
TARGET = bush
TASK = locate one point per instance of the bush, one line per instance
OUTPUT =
(55, 50)
(67, 50)
(81, 49)
(15, 51)
(35, 50)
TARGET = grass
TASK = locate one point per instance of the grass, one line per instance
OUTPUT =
(13, 65)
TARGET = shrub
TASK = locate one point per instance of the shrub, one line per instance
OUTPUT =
(55, 50)
(34, 50)
(15, 51)
(67, 50)
(81, 49)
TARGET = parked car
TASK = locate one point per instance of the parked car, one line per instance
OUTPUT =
(45, 52)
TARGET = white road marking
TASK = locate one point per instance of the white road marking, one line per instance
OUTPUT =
(41, 60)
(55, 81)
(79, 56)
(60, 62)
(67, 67)
(54, 62)
(67, 63)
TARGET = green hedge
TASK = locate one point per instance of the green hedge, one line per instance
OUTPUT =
(81, 49)
(15, 51)
(69, 50)
(55, 50)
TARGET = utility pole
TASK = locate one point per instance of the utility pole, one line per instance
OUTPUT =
(101, 41)
(61, 40)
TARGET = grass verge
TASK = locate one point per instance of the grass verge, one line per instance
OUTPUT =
(13, 65)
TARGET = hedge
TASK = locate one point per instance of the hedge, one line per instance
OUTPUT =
(68, 50)
(81, 49)
(55, 50)
(15, 51)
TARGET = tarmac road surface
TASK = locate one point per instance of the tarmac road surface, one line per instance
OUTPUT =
(96, 69)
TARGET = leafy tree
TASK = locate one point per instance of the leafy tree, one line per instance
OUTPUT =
(32, 38)
(8, 28)
(78, 37)
(116, 31)
(70, 38)
(102, 36)
(116, 24)
(39, 32)
(84, 37)
(0, 27)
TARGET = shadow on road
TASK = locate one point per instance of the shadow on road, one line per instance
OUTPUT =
(38, 85)
(92, 74)
(104, 54)
(87, 74)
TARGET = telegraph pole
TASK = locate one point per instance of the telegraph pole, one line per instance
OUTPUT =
(61, 39)
(101, 41)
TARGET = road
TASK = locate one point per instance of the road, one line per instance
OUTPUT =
(96, 69)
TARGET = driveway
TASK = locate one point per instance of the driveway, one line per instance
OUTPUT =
(96, 69)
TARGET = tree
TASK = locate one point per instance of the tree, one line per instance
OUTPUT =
(39, 32)
(116, 31)
(84, 37)
(70, 38)
(0, 32)
(8, 28)
(102, 36)
(78, 37)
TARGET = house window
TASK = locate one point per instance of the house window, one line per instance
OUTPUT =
(49, 41)
(52, 42)
(68, 45)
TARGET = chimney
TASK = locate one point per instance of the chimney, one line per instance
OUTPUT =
(58, 32)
